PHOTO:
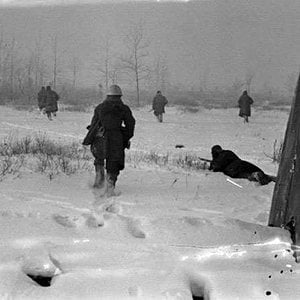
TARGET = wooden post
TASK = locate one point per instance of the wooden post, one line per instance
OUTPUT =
(285, 209)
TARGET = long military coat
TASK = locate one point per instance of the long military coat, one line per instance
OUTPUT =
(158, 104)
(230, 164)
(245, 105)
(41, 98)
(51, 99)
(111, 128)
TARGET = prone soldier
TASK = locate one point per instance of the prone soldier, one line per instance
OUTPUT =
(230, 164)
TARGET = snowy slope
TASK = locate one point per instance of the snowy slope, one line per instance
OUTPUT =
(171, 234)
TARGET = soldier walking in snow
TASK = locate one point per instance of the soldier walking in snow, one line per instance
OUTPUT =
(158, 105)
(111, 128)
(230, 164)
(41, 98)
(245, 102)
(51, 99)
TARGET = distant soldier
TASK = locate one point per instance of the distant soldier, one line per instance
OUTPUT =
(230, 164)
(245, 102)
(41, 98)
(51, 106)
(111, 128)
(158, 105)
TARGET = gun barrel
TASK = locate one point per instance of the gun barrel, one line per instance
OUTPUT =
(205, 159)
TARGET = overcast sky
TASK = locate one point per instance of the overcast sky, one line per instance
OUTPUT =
(209, 43)
(69, 2)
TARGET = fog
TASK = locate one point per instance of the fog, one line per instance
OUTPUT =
(205, 44)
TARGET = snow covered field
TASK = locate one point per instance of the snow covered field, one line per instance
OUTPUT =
(171, 234)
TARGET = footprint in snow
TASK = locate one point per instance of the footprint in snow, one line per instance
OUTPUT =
(17, 214)
(91, 220)
(135, 227)
(107, 207)
(66, 221)
(113, 208)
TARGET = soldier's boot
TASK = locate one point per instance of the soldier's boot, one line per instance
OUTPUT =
(272, 178)
(49, 116)
(110, 185)
(99, 179)
(160, 118)
(261, 178)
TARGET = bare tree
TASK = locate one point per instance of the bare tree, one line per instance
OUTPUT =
(104, 66)
(8, 55)
(108, 67)
(160, 73)
(4, 60)
(248, 79)
(12, 58)
(55, 51)
(29, 71)
(2, 50)
(39, 62)
(57, 62)
(135, 62)
(237, 84)
(23, 73)
(115, 72)
(42, 69)
(75, 64)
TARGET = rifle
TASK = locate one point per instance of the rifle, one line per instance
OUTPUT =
(205, 159)
(92, 131)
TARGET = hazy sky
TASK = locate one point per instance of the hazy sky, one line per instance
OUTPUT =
(210, 43)
(69, 2)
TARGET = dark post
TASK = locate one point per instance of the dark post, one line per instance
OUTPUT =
(285, 209)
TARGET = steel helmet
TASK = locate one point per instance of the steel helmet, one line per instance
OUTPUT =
(114, 90)
(216, 149)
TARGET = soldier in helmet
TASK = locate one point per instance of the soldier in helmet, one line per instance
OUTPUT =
(51, 99)
(245, 102)
(230, 164)
(41, 98)
(111, 128)
(158, 105)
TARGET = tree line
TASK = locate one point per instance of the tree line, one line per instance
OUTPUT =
(24, 70)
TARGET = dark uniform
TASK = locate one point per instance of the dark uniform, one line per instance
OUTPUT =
(111, 129)
(245, 102)
(41, 98)
(158, 105)
(231, 165)
(51, 99)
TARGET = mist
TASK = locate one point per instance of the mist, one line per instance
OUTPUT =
(204, 44)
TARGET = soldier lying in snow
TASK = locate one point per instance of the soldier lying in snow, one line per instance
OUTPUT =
(230, 164)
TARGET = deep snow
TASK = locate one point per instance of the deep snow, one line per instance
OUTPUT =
(170, 234)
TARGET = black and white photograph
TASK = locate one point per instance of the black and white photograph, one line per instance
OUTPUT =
(149, 149)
